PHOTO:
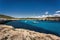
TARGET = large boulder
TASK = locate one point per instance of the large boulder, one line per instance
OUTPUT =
(10, 33)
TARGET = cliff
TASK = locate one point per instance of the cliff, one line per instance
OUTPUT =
(10, 33)
(53, 18)
(5, 16)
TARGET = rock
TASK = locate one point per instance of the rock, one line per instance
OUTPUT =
(10, 33)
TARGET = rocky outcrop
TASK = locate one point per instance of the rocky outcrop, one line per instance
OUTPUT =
(10, 33)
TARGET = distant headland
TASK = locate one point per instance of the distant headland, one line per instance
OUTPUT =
(43, 17)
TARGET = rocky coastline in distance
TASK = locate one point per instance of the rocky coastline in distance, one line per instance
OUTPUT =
(9, 18)
(10, 33)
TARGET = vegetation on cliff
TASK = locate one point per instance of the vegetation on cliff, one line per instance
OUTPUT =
(5, 16)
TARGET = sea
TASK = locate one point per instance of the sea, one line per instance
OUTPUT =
(48, 27)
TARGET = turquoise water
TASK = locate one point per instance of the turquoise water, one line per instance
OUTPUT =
(52, 27)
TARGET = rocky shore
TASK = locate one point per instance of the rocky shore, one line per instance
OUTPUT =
(10, 33)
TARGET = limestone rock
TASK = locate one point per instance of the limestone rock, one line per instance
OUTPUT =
(10, 33)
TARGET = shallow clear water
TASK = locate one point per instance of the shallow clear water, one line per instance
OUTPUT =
(52, 27)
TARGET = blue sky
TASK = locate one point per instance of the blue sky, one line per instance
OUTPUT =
(27, 8)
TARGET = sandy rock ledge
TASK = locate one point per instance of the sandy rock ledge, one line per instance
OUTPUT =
(10, 33)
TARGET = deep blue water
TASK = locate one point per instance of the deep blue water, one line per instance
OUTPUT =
(52, 27)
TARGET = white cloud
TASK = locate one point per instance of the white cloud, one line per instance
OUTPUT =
(48, 15)
(46, 12)
(57, 11)
(56, 15)
(42, 16)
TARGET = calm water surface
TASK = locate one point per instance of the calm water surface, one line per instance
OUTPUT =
(52, 27)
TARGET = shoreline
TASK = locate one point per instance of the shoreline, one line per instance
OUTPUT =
(5, 21)
(33, 29)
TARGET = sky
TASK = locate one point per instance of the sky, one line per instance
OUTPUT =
(28, 8)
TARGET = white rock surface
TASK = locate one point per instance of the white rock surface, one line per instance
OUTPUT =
(10, 33)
